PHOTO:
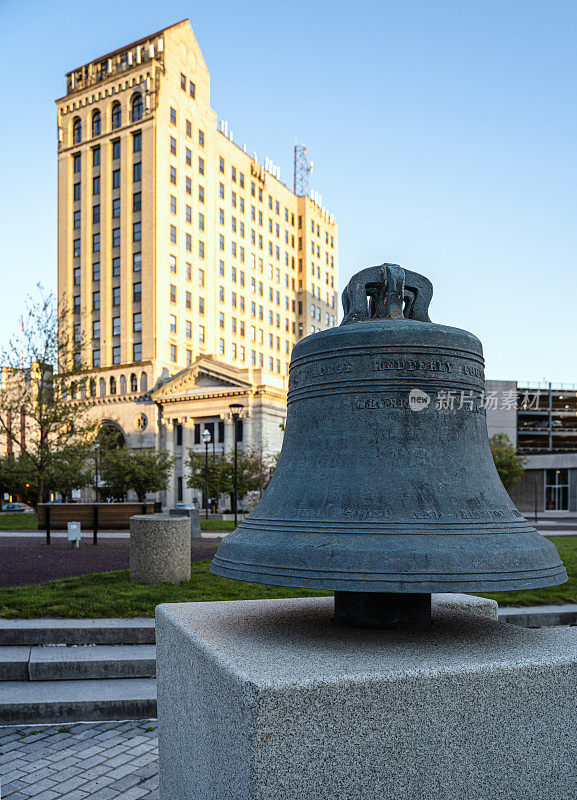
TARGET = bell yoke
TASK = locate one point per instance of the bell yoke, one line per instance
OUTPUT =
(385, 489)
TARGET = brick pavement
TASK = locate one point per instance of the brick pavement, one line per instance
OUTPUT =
(80, 761)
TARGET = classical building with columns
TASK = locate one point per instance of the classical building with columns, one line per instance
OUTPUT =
(187, 269)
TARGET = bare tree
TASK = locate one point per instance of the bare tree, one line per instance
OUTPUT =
(42, 417)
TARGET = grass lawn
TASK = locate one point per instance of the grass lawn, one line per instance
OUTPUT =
(110, 594)
(29, 522)
(18, 522)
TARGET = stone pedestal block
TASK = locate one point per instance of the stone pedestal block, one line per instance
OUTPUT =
(269, 700)
(159, 549)
(194, 517)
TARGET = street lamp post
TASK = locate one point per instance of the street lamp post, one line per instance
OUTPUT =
(96, 471)
(236, 411)
(206, 437)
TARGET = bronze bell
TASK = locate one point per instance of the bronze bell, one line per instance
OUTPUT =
(385, 489)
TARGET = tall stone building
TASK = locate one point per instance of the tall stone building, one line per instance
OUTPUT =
(183, 261)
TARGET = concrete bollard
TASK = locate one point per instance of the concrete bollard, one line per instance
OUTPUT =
(159, 549)
(193, 515)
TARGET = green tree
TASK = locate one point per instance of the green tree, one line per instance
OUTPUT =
(254, 472)
(510, 465)
(43, 384)
(143, 471)
(71, 469)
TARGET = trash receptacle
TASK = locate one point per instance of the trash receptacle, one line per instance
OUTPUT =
(74, 534)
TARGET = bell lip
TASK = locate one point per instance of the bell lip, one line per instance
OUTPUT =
(435, 561)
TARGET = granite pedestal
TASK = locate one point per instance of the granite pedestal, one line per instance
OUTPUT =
(268, 700)
(193, 516)
(160, 549)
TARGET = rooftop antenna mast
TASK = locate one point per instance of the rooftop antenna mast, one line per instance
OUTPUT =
(303, 168)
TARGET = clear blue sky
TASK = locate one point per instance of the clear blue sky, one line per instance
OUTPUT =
(444, 136)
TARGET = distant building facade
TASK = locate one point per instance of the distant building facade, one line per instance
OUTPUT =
(541, 422)
(178, 250)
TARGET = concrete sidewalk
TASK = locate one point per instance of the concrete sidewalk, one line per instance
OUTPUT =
(81, 761)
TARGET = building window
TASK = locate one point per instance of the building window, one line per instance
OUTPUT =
(136, 292)
(76, 191)
(173, 353)
(116, 207)
(173, 175)
(201, 305)
(201, 334)
(188, 156)
(201, 165)
(201, 138)
(77, 162)
(116, 179)
(188, 358)
(116, 237)
(201, 249)
(188, 185)
(172, 234)
(201, 222)
(116, 266)
(77, 219)
(221, 320)
(173, 145)
(137, 351)
(172, 293)
(76, 131)
(201, 194)
(136, 142)
(188, 240)
(188, 270)
(192, 90)
(115, 149)
(96, 214)
(136, 231)
(172, 263)
(137, 262)
(188, 213)
(96, 358)
(188, 128)
(116, 116)
(116, 324)
(137, 107)
(221, 346)
(96, 156)
(96, 184)
(172, 323)
(136, 172)
(116, 296)
(136, 201)
(133, 383)
(96, 271)
(76, 305)
(95, 301)
(95, 243)
(96, 329)
(173, 115)
(556, 490)
(183, 82)
(188, 329)
(137, 322)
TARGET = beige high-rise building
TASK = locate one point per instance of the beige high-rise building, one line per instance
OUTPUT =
(173, 241)
(176, 247)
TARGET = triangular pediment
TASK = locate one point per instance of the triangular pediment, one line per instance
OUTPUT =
(205, 374)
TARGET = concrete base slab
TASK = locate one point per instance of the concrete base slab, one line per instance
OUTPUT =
(14, 663)
(137, 630)
(268, 700)
(92, 662)
(69, 701)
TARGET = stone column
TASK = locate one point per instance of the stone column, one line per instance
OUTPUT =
(159, 549)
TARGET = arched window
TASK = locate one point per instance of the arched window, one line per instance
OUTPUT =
(92, 387)
(122, 384)
(102, 387)
(143, 382)
(116, 116)
(113, 386)
(133, 383)
(136, 107)
(76, 131)
(96, 123)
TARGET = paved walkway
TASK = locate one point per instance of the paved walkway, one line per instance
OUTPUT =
(80, 761)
